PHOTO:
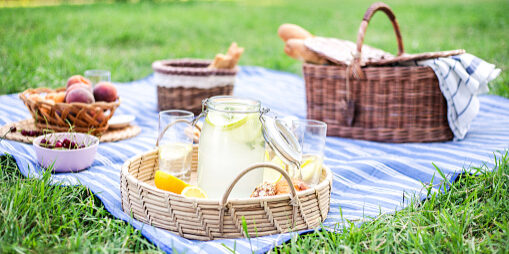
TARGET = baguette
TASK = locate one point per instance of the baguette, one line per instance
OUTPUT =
(295, 48)
(292, 31)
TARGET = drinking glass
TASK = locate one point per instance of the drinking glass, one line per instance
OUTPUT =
(175, 146)
(96, 76)
(311, 135)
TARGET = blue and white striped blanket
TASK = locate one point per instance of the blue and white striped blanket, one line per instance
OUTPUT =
(369, 178)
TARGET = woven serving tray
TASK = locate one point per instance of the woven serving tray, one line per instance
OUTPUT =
(204, 219)
(111, 135)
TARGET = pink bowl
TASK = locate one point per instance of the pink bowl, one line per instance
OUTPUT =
(67, 160)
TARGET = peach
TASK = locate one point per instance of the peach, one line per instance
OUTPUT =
(105, 91)
(76, 79)
(80, 94)
(79, 85)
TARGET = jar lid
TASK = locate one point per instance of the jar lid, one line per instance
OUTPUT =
(281, 140)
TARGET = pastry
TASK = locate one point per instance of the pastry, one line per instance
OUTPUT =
(228, 61)
(264, 190)
(282, 186)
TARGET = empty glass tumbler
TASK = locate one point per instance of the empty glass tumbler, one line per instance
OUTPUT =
(96, 76)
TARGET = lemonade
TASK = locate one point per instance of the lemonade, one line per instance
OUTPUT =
(175, 159)
(310, 169)
(231, 140)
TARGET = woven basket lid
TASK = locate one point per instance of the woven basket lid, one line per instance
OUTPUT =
(342, 52)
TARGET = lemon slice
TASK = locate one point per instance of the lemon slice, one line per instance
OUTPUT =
(271, 175)
(250, 131)
(226, 121)
(192, 191)
(165, 181)
(175, 151)
(308, 168)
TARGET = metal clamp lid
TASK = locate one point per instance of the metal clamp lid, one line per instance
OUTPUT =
(281, 140)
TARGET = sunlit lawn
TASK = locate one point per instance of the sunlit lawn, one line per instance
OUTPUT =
(43, 46)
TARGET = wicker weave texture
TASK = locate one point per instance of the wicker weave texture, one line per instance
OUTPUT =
(190, 97)
(200, 218)
(28, 124)
(391, 104)
(60, 117)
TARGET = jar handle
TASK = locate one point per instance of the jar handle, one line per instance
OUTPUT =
(294, 199)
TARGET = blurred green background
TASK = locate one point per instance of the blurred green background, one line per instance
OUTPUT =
(43, 46)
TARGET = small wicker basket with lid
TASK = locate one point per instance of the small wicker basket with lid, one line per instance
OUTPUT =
(184, 83)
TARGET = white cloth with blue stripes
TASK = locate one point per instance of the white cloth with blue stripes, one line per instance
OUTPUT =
(369, 178)
(461, 79)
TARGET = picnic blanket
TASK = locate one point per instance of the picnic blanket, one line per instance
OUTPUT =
(369, 178)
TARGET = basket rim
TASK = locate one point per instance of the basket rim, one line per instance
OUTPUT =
(165, 67)
(125, 172)
(23, 96)
(380, 67)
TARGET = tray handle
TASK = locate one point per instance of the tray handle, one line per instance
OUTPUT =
(379, 6)
(293, 197)
(191, 124)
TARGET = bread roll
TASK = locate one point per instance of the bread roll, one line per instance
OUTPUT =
(291, 31)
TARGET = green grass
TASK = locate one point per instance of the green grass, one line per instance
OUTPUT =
(38, 217)
(470, 216)
(43, 46)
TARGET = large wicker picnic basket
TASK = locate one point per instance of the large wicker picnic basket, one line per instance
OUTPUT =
(80, 117)
(203, 219)
(391, 103)
(184, 83)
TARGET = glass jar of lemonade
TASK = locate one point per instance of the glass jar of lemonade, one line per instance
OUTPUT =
(231, 140)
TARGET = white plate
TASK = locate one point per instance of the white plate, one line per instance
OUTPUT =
(120, 121)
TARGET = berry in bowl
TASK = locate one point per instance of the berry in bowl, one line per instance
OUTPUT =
(66, 151)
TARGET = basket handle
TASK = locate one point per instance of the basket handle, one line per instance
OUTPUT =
(379, 6)
(293, 197)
